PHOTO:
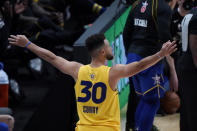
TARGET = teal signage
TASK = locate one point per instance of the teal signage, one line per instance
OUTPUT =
(114, 35)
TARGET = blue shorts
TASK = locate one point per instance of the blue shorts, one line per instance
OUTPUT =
(3, 126)
(167, 84)
(149, 81)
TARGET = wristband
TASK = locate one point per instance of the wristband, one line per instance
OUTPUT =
(159, 56)
(28, 43)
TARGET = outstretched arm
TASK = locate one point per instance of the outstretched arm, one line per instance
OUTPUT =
(121, 71)
(173, 80)
(65, 66)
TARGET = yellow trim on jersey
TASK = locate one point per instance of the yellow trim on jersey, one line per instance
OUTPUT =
(38, 25)
(37, 35)
(138, 93)
(99, 9)
(96, 8)
(157, 86)
(153, 2)
(36, 1)
(156, 7)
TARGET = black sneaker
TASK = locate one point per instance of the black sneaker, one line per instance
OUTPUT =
(154, 128)
(129, 129)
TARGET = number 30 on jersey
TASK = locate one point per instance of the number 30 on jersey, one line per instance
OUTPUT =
(89, 95)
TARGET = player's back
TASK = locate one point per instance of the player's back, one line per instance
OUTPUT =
(97, 104)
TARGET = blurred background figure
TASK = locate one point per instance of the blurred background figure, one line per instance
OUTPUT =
(6, 123)
(183, 8)
(187, 69)
(4, 87)
(5, 16)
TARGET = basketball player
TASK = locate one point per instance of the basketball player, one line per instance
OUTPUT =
(147, 28)
(96, 93)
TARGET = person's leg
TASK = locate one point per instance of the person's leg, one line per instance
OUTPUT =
(133, 97)
(132, 105)
(183, 112)
(146, 111)
(150, 84)
(183, 121)
(192, 108)
(183, 118)
(189, 114)
(9, 120)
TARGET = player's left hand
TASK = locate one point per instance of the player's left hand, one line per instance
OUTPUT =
(168, 48)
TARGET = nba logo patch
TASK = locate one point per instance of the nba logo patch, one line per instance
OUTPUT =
(144, 5)
(92, 76)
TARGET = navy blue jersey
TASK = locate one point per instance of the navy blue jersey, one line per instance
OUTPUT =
(147, 27)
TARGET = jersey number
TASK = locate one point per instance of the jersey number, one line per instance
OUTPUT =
(88, 85)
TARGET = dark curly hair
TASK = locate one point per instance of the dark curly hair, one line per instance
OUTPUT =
(94, 42)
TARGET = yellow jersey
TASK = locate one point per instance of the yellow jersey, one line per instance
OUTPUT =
(97, 104)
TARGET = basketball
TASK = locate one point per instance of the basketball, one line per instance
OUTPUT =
(170, 103)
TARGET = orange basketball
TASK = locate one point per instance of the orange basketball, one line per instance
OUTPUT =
(170, 103)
